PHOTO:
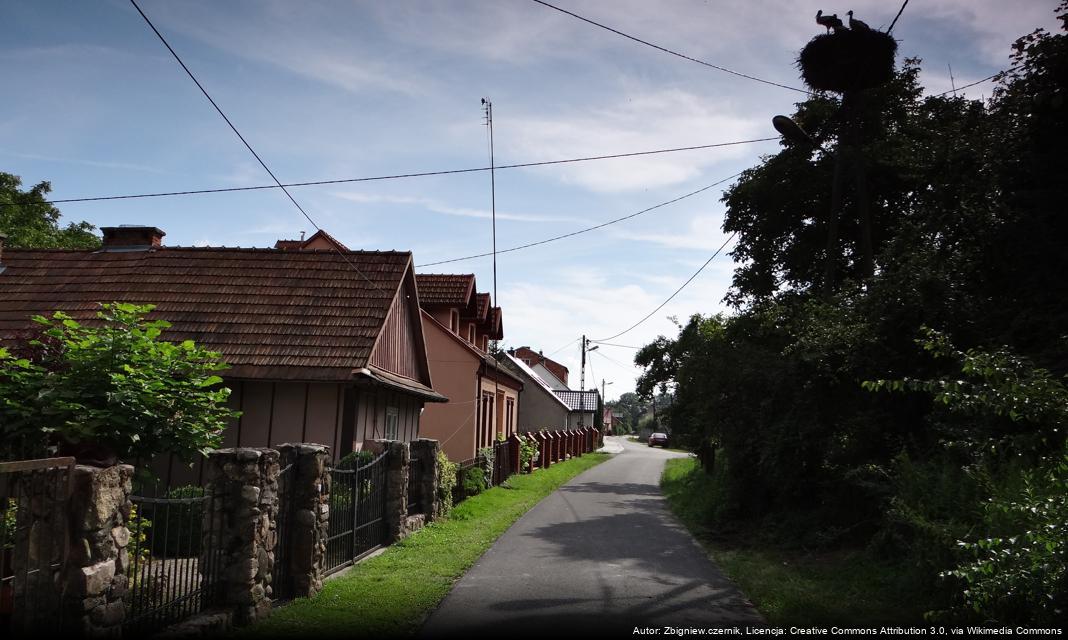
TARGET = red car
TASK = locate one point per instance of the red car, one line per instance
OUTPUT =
(658, 439)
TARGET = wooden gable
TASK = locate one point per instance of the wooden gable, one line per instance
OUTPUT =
(400, 348)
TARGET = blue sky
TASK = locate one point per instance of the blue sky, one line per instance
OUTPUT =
(328, 90)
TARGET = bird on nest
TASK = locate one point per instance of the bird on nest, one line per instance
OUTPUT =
(831, 21)
(857, 25)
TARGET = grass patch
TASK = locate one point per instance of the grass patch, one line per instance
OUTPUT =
(792, 587)
(392, 594)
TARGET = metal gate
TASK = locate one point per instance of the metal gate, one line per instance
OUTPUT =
(34, 496)
(357, 512)
(281, 575)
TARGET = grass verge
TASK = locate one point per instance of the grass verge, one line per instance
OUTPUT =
(392, 594)
(792, 587)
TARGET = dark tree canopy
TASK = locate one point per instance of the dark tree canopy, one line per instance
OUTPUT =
(29, 221)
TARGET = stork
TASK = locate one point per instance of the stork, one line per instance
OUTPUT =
(857, 25)
(831, 21)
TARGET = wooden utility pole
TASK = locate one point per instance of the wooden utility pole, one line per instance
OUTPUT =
(582, 386)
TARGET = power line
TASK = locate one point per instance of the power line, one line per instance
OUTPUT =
(672, 52)
(397, 176)
(587, 229)
(609, 344)
(986, 79)
(613, 361)
(672, 296)
(248, 146)
(899, 11)
(563, 347)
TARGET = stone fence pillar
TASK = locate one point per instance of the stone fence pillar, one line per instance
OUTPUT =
(96, 580)
(243, 484)
(425, 451)
(396, 514)
(309, 494)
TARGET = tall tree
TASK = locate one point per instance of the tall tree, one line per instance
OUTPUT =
(29, 221)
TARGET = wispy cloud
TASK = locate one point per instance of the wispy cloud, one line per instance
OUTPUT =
(437, 207)
(103, 164)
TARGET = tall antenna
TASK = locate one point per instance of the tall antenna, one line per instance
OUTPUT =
(487, 111)
(952, 82)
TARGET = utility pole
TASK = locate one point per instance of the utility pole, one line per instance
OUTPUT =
(582, 386)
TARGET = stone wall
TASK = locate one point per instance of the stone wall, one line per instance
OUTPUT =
(426, 452)
(243, 485)
(396, 514)
(96, 574)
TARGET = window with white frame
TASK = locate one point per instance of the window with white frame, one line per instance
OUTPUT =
(454, 321)
(391, 423)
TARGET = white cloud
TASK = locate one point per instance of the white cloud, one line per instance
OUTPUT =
(437, 207)
(649, 120)
(705, 233)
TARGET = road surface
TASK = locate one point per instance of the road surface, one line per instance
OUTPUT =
(604, 555)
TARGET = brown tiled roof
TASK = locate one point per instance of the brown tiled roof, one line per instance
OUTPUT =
(319, 238)
(446, 289)
(273, 314)
(482, 303)
(495, 324)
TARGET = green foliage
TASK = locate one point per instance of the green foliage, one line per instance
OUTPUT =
(473, 481)
(30, 222)
(446, 482)
(8, 523)
(355, 459)
(486, 455)
(116, 384)
(967, 228)
(138, 550)
(1018, 413)
(528, 450)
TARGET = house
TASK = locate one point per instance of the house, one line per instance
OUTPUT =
(539, 406)
(484, 397)
(320, 240)
(551, 371)
(323, 346)
(582, 406)
(609, 420)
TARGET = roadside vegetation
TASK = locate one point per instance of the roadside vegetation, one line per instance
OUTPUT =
(392, 594)
(898, 432)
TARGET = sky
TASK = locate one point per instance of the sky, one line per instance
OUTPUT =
(326, 90)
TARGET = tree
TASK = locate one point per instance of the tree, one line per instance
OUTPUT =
(113, 389)
(29, 221)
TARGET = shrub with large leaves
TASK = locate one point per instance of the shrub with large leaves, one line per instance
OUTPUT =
(117, 385)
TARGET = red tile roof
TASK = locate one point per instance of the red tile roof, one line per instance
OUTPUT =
(482, 303)
(319, 241)
(445, 289)
(273, 314)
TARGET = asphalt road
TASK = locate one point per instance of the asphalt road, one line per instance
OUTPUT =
(602, 555)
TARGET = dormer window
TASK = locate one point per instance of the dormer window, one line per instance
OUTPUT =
(485, 343)
(471, 333)
(454, 321)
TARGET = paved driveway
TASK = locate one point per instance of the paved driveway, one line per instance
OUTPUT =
(603, 555)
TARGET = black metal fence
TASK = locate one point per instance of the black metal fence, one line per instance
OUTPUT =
(502, 462)
(173, 556)
(281, 581)
(34, 495)
(357, 512)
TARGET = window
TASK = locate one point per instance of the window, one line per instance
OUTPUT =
(471, 333)
(454, 321)
(510, 416)
(391, 423)
(485, 343)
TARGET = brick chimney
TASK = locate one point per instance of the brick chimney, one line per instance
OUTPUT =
(130, 237)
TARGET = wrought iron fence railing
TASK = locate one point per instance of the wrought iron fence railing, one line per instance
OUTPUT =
(357, 523)
(34, 495)
(173, 556)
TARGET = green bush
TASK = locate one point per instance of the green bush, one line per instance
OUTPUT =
(528, 449)
(474, 481)
(117, 387)
(446, 482)
(355, 459)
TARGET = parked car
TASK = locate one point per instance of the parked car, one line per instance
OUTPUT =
(658, 439)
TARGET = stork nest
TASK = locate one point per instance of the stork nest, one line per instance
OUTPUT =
(848, 60)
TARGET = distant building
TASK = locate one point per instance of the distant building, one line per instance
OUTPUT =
(557, 373)
(484, 397)
(539, 406)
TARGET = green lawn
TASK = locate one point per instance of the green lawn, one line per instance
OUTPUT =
(792, 587)
(391, 595)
